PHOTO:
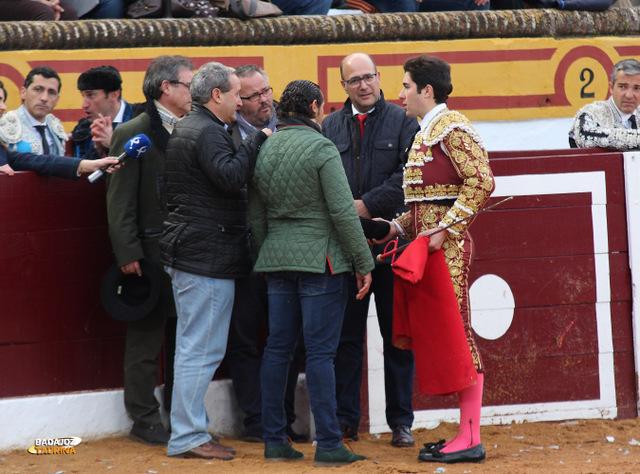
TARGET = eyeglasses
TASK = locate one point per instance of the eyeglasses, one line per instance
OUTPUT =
(355, 81)
(255, 97)
(187, 84)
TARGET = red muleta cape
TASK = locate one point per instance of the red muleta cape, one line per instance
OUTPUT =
(426, 318)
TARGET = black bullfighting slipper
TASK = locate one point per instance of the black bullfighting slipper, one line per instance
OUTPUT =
(430, 447)
(475, 454)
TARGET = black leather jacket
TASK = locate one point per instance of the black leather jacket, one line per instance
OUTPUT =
(206, 231)
(374, 165)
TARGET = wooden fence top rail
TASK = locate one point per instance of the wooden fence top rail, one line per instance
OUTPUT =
(317, 29)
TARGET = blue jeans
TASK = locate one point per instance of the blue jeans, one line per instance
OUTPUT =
(316, 302)
(303, 7)
(204, 307)
(107, 9)
(450, 5)
(394, 6)
(398, 363)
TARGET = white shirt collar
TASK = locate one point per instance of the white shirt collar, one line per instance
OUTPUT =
(168, 118)
(624, 117)
(357, 112)
(33, 121)
(430, 115)
(118, 118)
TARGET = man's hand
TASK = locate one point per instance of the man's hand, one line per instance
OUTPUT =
(89, 166)
(361, 209)
(55, 6)
(131, 268)
(393, 232)
(6, 169)
(267, 131)
(435, 239)
(364, 282)
(101, 132)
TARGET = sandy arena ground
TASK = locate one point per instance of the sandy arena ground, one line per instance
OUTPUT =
(585, 446)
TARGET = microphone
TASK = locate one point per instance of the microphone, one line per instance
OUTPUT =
(134, 148)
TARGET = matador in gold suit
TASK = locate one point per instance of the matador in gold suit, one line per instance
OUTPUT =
(447, 178)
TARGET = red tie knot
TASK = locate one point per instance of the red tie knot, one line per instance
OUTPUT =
(361, 119)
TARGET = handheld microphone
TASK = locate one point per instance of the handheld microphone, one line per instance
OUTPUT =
(134, 148)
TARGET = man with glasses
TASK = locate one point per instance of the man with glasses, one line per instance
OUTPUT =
(105, 109)
(258, 108)
(373, 137)
(243, 358)
(205, 246)
(136, 210)
(32, 127)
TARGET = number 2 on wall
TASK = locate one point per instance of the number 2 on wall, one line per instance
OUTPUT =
(586, 75)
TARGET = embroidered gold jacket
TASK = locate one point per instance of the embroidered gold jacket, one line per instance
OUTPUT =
(447, 161)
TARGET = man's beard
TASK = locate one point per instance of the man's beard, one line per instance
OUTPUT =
(263, 121)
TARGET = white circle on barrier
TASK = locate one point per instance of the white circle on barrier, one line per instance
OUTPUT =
(492, 306)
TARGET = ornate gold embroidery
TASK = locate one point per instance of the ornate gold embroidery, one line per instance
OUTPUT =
(418, 157)
(469, 158)
(473, 166)
(454, 249)
(423, 193)
(412, 174)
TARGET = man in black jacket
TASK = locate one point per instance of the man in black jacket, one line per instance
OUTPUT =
(250, 305)
(372, 136)
(205, 246)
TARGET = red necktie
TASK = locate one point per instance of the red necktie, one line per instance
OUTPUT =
(361, 119)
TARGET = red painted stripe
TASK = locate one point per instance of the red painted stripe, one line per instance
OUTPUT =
(135, 65)
(628, 50)
(461, 57)
(464, 57)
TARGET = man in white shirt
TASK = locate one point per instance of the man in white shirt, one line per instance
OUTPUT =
(611, 123)
(32, 127)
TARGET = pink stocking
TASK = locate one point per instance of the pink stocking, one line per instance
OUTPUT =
(470, 400)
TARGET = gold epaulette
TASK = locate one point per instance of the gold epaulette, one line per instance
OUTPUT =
(444, 123)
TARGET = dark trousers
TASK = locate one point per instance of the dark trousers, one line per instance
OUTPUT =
(34, 11)
(143, 347)
(314, 304)
(398, 363)
(244, 352)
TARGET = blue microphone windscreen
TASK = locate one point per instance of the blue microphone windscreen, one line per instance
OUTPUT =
(137, 146)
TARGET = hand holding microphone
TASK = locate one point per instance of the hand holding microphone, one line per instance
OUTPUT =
(134, 148)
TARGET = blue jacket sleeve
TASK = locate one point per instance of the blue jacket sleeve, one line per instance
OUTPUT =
(51, 165)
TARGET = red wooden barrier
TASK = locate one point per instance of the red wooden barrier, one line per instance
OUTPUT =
(545, 245)
(54, 250)
(542, 244)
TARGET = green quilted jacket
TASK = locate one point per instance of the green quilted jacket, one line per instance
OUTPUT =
(301, 208)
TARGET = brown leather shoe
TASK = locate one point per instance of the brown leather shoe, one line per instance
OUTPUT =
(215, 441)
(207, 450)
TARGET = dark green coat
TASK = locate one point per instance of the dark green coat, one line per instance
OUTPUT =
(301, 208)
(136, 202)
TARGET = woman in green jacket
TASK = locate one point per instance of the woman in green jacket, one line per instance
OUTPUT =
(308, 236)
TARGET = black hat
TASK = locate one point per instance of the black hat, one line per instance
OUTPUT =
(374, 229)
(106, 78)
(130, 297)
